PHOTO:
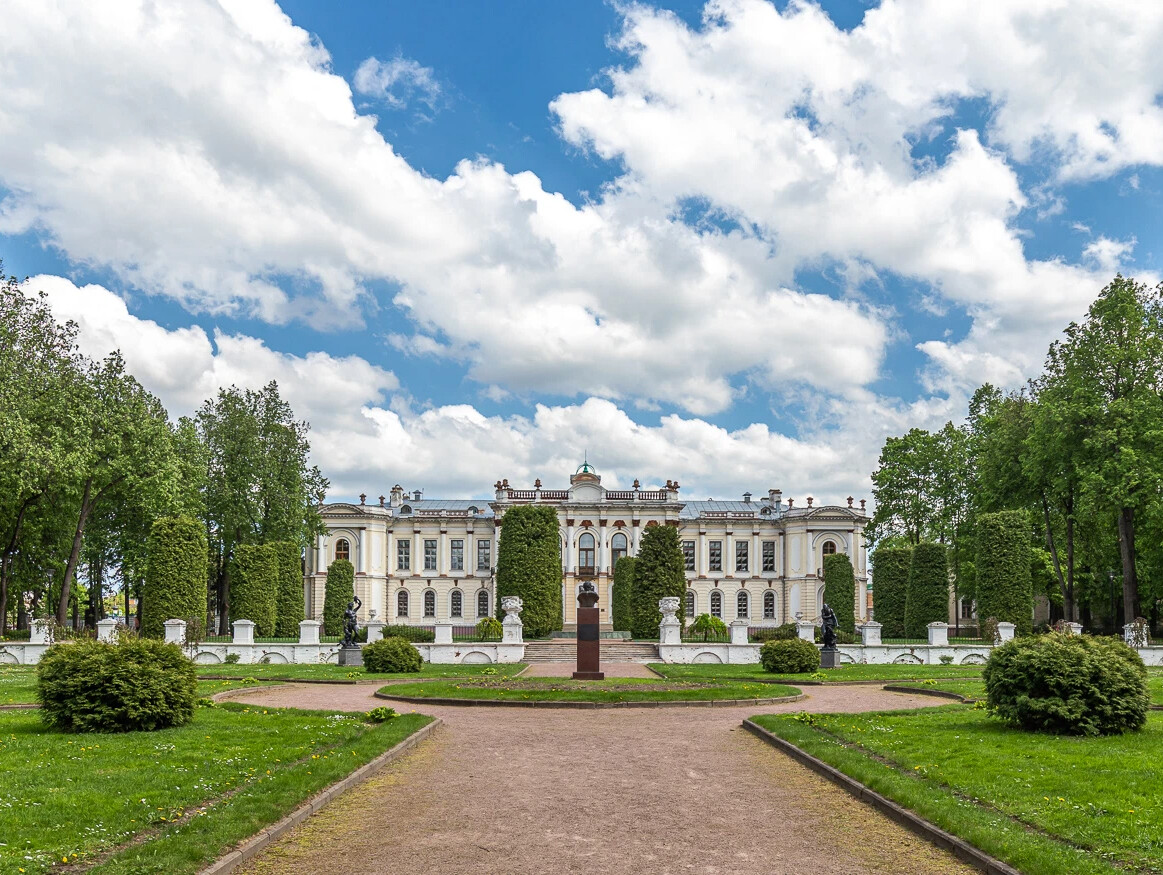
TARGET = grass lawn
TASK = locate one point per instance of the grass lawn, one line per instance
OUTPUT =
(975, 689)
(186, 794)
(834, 675)
(18, 685)
(321, 671)
(567, 690)
(1044, 804)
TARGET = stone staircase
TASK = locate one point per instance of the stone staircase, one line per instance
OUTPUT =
(612, 650)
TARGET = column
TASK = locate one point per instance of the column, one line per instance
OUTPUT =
(444, 554)
(701, 556)
(601, 557)
(363, 550)
(567, 554)
(756, 559)
(728, 556)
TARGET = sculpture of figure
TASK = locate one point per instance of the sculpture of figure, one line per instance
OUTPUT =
(828, 621)
(350, 623)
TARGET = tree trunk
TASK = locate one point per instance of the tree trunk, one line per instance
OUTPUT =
(75, 554)
(1054, 555)
(1127, 554)
(1068, 602)
(6, 564)
(221, 593)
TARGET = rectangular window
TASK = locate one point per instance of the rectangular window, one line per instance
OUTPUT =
(688, 554)
(741, 555)
(457, 556)
(769, 555)
(403, 555)
(716, 555)
(484, 555)
(430, 555)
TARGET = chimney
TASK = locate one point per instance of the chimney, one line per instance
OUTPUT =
(397, 495)
(775, 496)
(747, 498)
(416, 494)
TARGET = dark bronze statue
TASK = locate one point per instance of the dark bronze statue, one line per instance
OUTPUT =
(350, 623)
(828, 621)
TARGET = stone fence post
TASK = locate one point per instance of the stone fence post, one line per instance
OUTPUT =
(739, 629)
(244, 631)
(309, 631)
(938, 634)
(1005, 632)
(511, 627)
(107, 629)
(870, 633)
(670, 629)
(806, 630)
(1073, 628)
(1135, 634)
(375, 630)
(175, 632)
(40, 632)
(444, 633)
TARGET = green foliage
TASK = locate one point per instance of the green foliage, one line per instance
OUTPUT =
(1004, 588)
(1068, 684)
(775, 633)
(391, 655)
(411, 633)
(928, 594)
(789, 656)
(289, 598)
(659, 572)
(382, 714)
(254, 582)
(136, 684)
(489, 629)
(175, 576)
(840, 590)
(338, 592)
(706, 625)
(890, 588)
(529, 566)
(622, 601)
(232, 659)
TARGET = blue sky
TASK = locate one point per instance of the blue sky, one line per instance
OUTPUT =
(735, 245)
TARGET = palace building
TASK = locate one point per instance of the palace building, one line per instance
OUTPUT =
(422, 561)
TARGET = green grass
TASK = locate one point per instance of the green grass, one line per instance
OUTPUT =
(975, 689)
(566, 690)
(1044, 804)
(18, 685)
(188, 793)
(321, 671)
(835, 675)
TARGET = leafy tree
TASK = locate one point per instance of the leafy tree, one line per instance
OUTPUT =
(840, 590)
(255, 582)
(706, 625)
(659, 572)
(622, 601)
(289, 611)
(175, 578)
(337, 594)
(928, 595)
(1004, 590)
(890, 588)
(529, 566)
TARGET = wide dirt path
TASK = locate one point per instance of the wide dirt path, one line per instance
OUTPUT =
(635, 790)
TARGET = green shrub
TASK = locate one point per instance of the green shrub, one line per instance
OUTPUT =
(391, 655)
(289, 596)
(706, 625)
(96, 686)
(1067, 684)
(254, 582)
(381, 714)
(890, 588)
(1005, 590)
(840, 590)
(409, 633)
(175, 574)
(231, 659)
(529, 566)
(622, 600)
(790, 656)
(659, 572)
(337, 594)
(489, 629)
(775, 633)
(928, 594)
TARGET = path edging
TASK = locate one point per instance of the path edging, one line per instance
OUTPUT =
(939, 694)
(912, 821)
(260, 840)
(510, 703)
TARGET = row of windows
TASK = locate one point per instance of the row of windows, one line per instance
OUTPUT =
(742, 554)
(586, 550)
(431, 545)
(455, 603)
(742, 604)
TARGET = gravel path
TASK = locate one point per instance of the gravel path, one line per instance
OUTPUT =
(659, 790)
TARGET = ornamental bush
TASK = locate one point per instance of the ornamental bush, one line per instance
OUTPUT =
(622, 600)
(289, 595)
(254, 582)
(138, 684)
(338, 592)
(489, 629)
(890, 588)
(391, 655)
(928, 594)
(775, 633)
(1005, 590)
(706, 625)
(175, 574)
(790, 656)
(409, 633)
(529, 566)
(659, 572)
(840, 590)
(1067, 684)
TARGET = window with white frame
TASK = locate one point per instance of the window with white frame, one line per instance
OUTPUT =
(456, 603)
(430, 554)
(483, 603)
(688, 555)
(769, 605)
(618, 547)
(716, 603)
(429, 604)
(769, 555)
(741, 557)
(741, 605)
(456, 554)
(716, 563)
(403, 555)
(484, 555)
(585, 554)
(402, 603)
(690, 602)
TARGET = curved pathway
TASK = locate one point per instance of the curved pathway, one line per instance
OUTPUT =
(660, 790)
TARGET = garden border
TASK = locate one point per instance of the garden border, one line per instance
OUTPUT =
(928, 691)
(505, 703)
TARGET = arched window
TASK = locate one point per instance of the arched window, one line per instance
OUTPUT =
(456, 603)
(769, 605)
(741, 605)
(690, 602)
(343, 549)
(402, 603)
(618, 547)
(829, 548)
(429, 604)
(716, 603)
(483, 603)
(585, 554)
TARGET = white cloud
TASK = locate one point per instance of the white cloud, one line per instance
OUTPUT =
(397, 82)
(1109, 254)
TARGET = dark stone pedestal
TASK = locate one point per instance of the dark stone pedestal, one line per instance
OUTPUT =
(829, 658)
(350, 655)
(588, 646)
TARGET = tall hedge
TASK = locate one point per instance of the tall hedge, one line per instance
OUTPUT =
(840, 590)
(622, 601)
(529, 566)
(928, 594)
(289, 598)
(254, 583)
(337, 594)
(890, 588)
(1004, 589)
(175, 574)
(659, 572)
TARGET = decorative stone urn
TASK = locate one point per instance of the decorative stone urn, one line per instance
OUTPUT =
(670, 629)
(669, 607)
(511, 605)
(512, 629)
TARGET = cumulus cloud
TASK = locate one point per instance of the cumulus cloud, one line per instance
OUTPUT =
(397, 82)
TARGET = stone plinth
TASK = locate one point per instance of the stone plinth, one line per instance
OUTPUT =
(243, 631)
(443, 633)
(670, 629)
(806, 630)
(350, 655)
(309, 631)
(829, 658)
(589, 644)
(176, 631)
(938, 634)
(40, 632)
(1005, 632)
(512, 629)
(106, 630)
(375, 630)
(870, 633)
(738, 630)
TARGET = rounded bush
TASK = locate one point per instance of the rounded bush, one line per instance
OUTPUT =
(136, 684)
(1067, 684)
(391, 655)
(790, 656)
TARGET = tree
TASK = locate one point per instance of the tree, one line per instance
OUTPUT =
(1004, 589)
(903, 486)
(928, 595)
(337, 594)
(659, 572)
(529, 566)
(890, 588)
(706, 625)
(289, 609)
(622, 601)
(840, 590)
(175, 577)
(254, 586)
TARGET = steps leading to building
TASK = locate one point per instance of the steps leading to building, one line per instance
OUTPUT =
(612, 650)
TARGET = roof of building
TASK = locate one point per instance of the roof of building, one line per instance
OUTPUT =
(695, 509)
(457, 505)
